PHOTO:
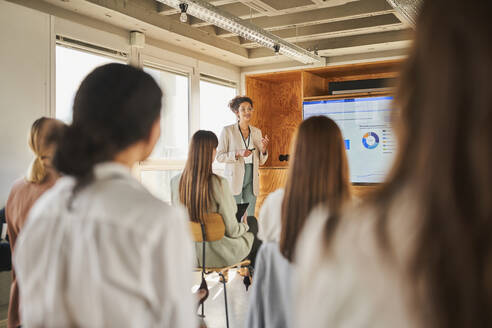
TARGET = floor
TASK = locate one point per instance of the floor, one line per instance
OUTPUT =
(237, 299)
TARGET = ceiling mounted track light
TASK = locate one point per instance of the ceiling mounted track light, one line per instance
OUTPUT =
(183, 7)
(408, 9)
(276, 48)
(213, 15)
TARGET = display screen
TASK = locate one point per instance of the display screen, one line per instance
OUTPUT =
(366, 129)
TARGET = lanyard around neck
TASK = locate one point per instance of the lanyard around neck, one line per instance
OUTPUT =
(242, 136)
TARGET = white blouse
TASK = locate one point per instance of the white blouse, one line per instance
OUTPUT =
(118, 257)
(270, 217)
(352, 283)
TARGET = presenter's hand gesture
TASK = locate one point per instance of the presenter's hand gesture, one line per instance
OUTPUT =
(264, 144)
(243, 153)
(244, 219)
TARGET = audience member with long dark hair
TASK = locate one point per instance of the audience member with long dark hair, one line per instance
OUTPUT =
(44, 136)
(99, 250)
(318, 175)
(419, 253)
(201, 191)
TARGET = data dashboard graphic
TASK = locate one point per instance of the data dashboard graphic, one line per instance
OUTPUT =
(366, 129)
(370, 140)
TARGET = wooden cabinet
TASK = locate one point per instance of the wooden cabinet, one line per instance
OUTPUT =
(278, 99)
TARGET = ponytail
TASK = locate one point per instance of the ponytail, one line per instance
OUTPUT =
(79, 152)
(36, 171)
(37, 141)
(114, 107)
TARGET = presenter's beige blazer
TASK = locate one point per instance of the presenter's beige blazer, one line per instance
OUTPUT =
(231, 141)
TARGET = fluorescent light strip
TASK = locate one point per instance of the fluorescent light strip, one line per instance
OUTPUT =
(409, 9)
(211, 14)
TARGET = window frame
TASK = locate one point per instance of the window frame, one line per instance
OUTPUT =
(84, 47)
(159, 164)
(218, 168)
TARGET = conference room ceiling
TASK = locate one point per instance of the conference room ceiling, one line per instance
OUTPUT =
(339, 30)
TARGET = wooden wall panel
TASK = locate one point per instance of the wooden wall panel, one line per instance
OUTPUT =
(258, 91)
(271, 179)
(278, 112)
(313, 85)
(362, 192)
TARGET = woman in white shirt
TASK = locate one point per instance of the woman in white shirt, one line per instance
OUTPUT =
(318, 174)
(243, 149)
(419, 253)
(98, 249)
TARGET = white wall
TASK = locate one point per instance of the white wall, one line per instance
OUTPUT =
(25, 73)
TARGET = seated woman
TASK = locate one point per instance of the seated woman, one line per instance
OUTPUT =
(201, 191)
(98, 250)
(41, 176)
(418, 254)
(318, 175)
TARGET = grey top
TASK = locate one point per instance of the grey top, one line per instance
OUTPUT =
(270, 302)
(237, 241)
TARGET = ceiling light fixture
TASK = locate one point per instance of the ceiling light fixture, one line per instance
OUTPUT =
(408, 9)
(213, 15)
(276, 48)
(183, 7)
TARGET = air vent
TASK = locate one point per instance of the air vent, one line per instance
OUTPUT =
(72, 43)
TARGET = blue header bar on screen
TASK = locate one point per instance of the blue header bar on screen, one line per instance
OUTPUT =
(347, 100)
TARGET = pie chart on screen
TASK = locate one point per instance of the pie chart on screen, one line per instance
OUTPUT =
(370, 140)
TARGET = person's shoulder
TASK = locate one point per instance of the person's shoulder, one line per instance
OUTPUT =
(19, 185)
(175, 179)
(229, 127)
(276, 195)
(52, 201)
(151, 213)
(274, 198)
(219, 182)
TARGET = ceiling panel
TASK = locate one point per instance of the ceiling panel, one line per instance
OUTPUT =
(287, 4)
(332, 28)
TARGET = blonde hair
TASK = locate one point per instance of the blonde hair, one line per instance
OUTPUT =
(195, 186)
(41, 137)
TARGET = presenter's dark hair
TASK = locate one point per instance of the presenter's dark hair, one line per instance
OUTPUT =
(238, 100)
(444, 168)
(114, 107)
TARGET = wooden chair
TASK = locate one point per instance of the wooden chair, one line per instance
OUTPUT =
(212, 228)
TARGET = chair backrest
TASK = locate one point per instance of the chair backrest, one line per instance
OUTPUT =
(214, 228)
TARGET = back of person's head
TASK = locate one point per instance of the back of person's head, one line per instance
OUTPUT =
(44, 136)
(195, 186)
(318, 174)
(444, 129)
(115, 107)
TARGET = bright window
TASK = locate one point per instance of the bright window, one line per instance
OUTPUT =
(169, 155)
(158, 182)
(72, 66)
(214, 109)
(173, 143)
